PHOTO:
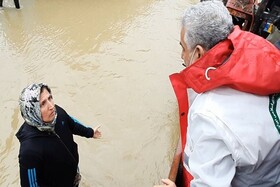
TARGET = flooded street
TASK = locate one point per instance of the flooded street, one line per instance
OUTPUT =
(107, 63)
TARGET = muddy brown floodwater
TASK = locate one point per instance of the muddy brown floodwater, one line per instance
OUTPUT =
(107, 63)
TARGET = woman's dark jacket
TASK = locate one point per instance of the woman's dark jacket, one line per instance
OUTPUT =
(50, 159)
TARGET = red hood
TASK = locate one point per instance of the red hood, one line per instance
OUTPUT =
(253, 66)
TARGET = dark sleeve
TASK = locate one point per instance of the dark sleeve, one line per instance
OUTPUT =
(29, 164)
(79, 129)
(75, 126)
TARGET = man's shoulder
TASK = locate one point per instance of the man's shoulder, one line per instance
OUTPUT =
(237, 110)
(225, 99)
(228, 94)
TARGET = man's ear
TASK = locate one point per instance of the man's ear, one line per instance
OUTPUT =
(200, 50)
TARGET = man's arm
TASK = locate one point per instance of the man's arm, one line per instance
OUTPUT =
(207, 155)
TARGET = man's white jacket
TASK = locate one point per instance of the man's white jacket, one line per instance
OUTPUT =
(232, 139)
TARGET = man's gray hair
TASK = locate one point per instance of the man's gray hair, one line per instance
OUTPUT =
(206, 24)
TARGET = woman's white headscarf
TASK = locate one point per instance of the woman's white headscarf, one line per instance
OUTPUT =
(29, 102)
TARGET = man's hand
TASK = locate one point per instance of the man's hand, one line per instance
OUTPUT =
(97, 133)
(166, 183)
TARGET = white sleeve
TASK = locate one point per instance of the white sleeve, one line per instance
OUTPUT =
(207, 156)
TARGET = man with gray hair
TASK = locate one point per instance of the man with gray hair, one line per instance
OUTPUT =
(230, 131)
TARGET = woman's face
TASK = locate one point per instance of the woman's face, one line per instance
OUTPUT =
(47, 106)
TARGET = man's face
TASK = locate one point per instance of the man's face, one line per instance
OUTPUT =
(186, 55)
(47, 106)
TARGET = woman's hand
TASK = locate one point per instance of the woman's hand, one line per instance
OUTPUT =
(166, 183)
(96, 132)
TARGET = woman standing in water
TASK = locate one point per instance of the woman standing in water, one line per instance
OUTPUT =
(48, 155)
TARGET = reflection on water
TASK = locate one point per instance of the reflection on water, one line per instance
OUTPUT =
(107, 63)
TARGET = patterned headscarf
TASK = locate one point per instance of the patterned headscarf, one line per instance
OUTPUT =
(29, 102)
